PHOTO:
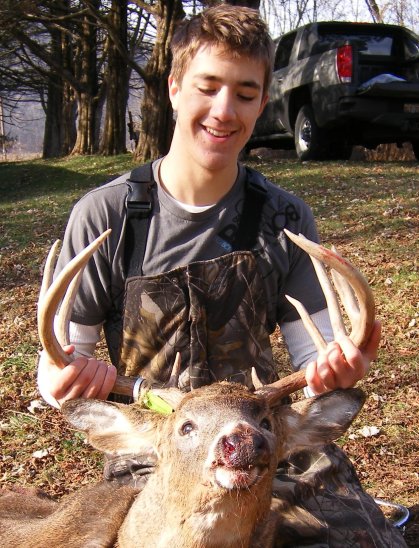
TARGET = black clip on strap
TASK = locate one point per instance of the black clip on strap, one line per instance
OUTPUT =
(139, 206)
(138, 199)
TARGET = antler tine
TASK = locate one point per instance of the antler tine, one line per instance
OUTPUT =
(174, 375)
(346, 294)
(277, 390)
(335, 315)
(52, 293)
(48, 270)
(257, 383)
(63, 318)
(311, 327)
(350, 283)
(364, 321)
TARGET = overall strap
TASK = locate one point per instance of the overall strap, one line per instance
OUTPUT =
(254, 200)
(139, 204)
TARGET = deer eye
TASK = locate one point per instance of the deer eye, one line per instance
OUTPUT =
(266, 424)
(186, 428)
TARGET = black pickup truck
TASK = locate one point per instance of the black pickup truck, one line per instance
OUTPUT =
(339, 84)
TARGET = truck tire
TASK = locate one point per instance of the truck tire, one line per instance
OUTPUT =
(310, 142)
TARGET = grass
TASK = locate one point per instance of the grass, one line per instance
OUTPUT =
(367, 209)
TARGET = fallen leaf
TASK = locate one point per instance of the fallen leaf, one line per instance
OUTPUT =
(36, 404)
(40, 454)
(369, 431)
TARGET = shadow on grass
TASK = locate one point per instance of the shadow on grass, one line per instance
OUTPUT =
(32, 179)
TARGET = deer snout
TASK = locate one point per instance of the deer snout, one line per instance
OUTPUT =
(240, 458)
(243, 449)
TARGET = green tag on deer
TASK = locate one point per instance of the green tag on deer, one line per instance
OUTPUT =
(156, 403)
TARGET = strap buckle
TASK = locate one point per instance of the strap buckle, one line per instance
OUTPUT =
(138, 209)
(138, 200)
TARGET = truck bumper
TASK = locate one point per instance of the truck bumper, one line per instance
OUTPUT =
(373, 119)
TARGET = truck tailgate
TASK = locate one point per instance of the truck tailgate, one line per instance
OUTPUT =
(408, 91)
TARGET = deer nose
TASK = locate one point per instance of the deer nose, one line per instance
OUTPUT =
(243, 449)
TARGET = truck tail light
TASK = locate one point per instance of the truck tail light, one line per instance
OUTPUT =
(344, 63)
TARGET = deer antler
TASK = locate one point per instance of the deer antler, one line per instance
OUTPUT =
(63, 289)
(350, 283)
(51, 293)
(357, 300)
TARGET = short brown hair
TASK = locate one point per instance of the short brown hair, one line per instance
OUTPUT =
(240, 30)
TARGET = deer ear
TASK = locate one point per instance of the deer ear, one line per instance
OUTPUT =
(114, 428)
(321, 419)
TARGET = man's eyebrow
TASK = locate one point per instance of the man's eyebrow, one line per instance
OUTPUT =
(243, 83)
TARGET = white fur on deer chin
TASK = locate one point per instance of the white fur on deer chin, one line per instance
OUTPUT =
(212, 529)
(237, 479)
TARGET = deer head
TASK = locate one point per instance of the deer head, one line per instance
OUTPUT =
(217, 455)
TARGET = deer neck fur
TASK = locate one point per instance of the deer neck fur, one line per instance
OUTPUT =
(193, 514)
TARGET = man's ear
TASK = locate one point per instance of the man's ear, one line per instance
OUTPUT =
(174, 89)
(263, 103)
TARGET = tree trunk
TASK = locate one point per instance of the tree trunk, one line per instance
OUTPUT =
(53, 132)
(86, 141)
(54, 127)
(69, 117)
(156, 111)
(374, 11)
(117, 82)
(60, 131)
(86, 125)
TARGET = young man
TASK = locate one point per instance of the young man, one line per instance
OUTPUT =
(215, 270)
(222, 64)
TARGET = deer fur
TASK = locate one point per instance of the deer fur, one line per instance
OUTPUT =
(217, 456)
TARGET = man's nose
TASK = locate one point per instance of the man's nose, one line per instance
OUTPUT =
(223, 105)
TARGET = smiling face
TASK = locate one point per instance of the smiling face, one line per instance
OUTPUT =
(217, 104)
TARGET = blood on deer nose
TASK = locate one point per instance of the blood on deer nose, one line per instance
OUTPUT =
(243, 449)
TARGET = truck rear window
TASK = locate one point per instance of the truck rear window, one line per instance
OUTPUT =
(370, 40)
(367, 44)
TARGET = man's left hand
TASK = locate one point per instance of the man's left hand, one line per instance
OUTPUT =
(342, 364)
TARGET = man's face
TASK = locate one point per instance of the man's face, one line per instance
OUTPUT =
(217, 104)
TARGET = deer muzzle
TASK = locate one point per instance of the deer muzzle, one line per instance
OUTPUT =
(240, 458)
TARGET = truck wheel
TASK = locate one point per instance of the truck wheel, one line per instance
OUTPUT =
(309, 140)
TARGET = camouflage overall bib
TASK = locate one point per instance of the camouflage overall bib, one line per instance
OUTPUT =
(214, 314)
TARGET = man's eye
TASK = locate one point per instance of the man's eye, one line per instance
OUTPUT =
(246, 98)
(207, 91)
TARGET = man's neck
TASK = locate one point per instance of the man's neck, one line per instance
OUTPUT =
(193, 185)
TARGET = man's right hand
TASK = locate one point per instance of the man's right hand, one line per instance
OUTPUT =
(82, 378)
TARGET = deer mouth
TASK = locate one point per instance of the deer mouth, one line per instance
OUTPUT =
(237, 478)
